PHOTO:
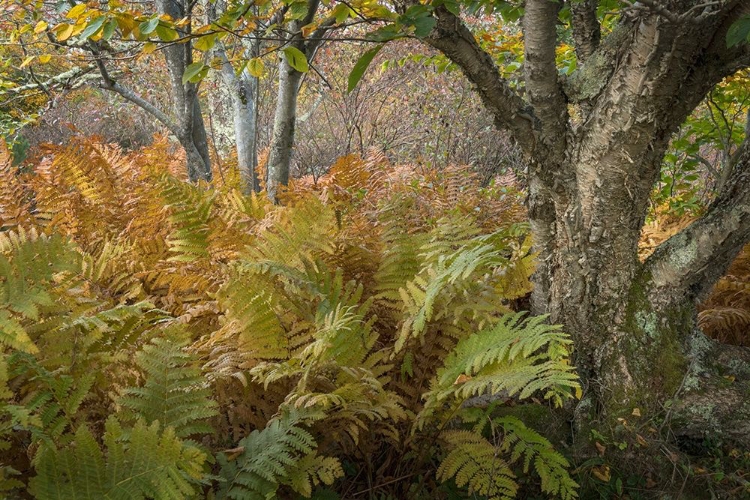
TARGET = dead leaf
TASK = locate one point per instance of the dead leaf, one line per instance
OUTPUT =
(602, 473)
(601, 448)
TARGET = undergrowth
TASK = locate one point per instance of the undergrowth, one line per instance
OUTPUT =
(167, 340)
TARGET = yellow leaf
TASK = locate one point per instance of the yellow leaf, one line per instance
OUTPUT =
(602, 473)
(148, 48)
(27, 61)
(79, 27)
(40, 26)
(308, 29)
(76, 11)
(63, 31)
(579, 393)
(256, 67)
(636, 412)
(45, 58)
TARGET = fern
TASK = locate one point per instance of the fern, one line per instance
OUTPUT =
(518, 356)
(190, 208)
(174, 393)
(473, 462)
(281, 454)
(526, 444)
(143, 463)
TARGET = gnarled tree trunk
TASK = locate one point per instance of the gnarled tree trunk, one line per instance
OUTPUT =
(591, 176)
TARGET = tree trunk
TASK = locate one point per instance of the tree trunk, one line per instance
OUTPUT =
(244, 113)
(282, 140)
(184, 96)
(590, 178)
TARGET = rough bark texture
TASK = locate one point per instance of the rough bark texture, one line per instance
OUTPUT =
(590, 179)
(282, 138)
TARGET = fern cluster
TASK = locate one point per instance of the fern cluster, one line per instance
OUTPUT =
(166, 340)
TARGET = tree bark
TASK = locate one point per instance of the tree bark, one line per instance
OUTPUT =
(185, 103)
(590, 179)
(285, 117)
(282, 139)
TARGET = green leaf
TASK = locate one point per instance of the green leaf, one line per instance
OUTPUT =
(296, 59)
(298, 10)
(166, 33)
(147, 27)
(361, 66)
(423, 26)
(256, 67)
(109, 29)
(739, 31)
(205, 43)
(93, 27)
(194, 73)
(451, 5)
(385, 34)
(341, 13)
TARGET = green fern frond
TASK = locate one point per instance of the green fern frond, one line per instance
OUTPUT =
(400, 259)
(28, 264)
(144, 463)
(525, 443)
(281, 454)
(311, 471)
(174, 393)
(474, 462)
(190, 208)
(300, 231)
(517, 356)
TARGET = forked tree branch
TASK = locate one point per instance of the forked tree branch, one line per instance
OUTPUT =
(451, 37)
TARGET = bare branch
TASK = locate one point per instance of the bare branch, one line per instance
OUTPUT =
(453, 38)
(131, 96)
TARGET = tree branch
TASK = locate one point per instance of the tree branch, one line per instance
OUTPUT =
(451, 37)
(544, 91)
(586, 29)
(143, 104)
(689, 263)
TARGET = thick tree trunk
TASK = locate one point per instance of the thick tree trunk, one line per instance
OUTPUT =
(282, 140)
(590, 178)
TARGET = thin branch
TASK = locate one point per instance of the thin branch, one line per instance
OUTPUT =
(689, 263)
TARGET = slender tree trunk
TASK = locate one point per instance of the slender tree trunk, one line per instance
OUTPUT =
(282, 140)
(184, 96)
(245, 116)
